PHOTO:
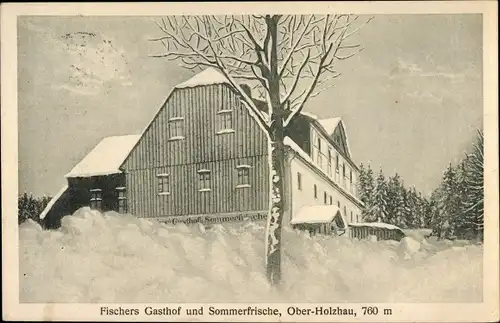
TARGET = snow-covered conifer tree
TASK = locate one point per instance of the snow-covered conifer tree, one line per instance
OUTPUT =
(474, 184)
(379, 209)
(366, 190)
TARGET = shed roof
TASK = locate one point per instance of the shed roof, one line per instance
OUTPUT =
(376, 225)
(51, 203)
(106, 157)
(317, 214)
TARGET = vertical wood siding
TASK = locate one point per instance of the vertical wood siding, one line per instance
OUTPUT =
(186, 199)
(201, 148)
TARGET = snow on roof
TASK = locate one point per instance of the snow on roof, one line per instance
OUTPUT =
(292, 144)
(317, 214)
(206, 77)
(330, 124)
(310, 115)
(52, 202)
(376, 225)
(106, 157)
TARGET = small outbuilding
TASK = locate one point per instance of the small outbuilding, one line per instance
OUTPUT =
(96, 181)
(320, 219)
(383, 231)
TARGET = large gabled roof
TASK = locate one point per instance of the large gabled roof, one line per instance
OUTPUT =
(106, 157)
(329, 125)
(206, 77)
(211, 76)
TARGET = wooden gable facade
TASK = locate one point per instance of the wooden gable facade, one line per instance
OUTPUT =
(202, 153)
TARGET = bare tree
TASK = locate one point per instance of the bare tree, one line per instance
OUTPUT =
(285, 59)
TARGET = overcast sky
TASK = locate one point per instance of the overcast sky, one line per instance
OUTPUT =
(411, 99)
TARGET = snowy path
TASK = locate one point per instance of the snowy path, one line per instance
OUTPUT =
(95, 258)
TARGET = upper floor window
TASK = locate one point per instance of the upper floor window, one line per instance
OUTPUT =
(174, 111)
(343, 169)
(315, 191)
(176, 128)
(299, 181)
(338, 204)
(331, 200)
(330, 162)
(122, 200)
(204, 180)
(351, 217)
(350, 176)
(325, 196)
(96, 198)
(243, 176)
(337, 162)
(225, 121)
(163, 184)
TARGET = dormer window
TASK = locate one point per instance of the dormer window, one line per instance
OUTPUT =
(320, 156)
(329, 162)
(225, 121)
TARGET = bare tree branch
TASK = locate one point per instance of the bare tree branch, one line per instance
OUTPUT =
(306, 49)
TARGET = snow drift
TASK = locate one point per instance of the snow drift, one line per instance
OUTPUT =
(115, 258)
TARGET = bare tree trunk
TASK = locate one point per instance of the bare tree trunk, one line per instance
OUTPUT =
(276, 190)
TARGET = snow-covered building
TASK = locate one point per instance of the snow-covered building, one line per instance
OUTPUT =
(204, 158)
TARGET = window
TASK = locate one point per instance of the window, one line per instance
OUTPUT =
(345, 211)
(299, 181)
(343, 169)
(96, 198)
(320, 159)
(331, 200)
(324, 197)
(122, 200)
(351, 217)
(176, 128)
(350, 176)
(329, 162)
(204, 180)
(315, 191)
(163, 184)
(338, 204)
(318, 156)
(225, 121)
(243, 176)
(337, 163)
(357, 217)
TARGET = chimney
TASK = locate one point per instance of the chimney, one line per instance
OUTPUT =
(246, 88)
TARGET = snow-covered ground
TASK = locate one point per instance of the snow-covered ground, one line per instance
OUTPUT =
(113, 258)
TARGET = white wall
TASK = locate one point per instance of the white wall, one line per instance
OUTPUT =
(330, 167)
(305, 195)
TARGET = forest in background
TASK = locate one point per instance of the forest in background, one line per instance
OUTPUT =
(30, 207)
(454, 210)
